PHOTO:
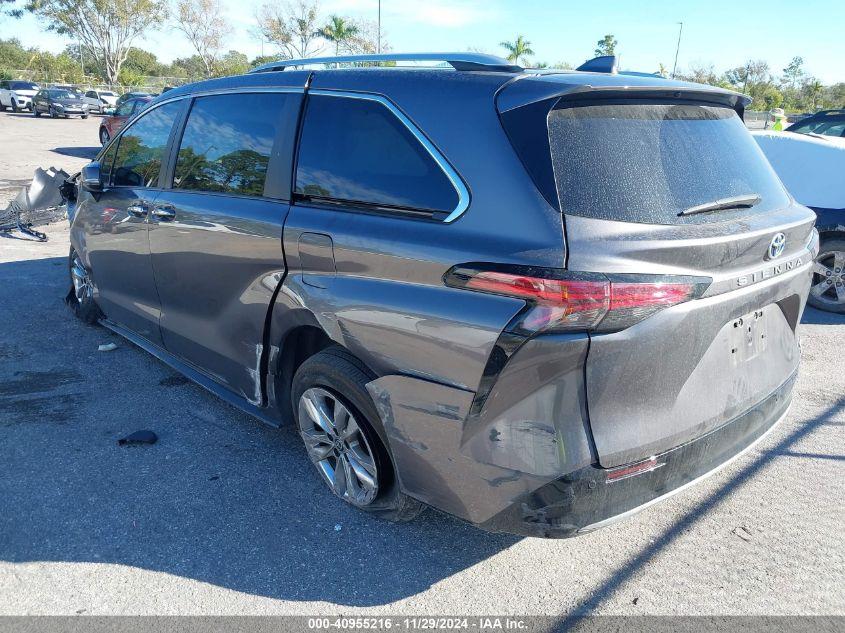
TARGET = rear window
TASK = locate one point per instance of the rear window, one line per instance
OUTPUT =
(22, 85)
(649, 162)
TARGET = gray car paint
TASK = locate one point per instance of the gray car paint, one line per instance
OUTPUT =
(374, 284)
(694, 383)
(114, 242)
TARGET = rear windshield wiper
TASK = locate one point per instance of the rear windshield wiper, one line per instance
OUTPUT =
(736, 202)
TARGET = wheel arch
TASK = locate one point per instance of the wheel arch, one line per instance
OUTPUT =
(295, 336)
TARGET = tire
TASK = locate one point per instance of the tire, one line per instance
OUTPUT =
(81, 302)
(343, 377)
(36, 113)
(828, 289)
(53, 113)
(2, 107)
(104, 136)
(15, 106)
(84, 116)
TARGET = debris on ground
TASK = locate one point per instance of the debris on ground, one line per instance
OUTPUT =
(174, 381)
(107, 347)
(138, 437)
(42, 202)
(742, 532)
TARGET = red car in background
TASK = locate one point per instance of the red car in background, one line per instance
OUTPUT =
(113, 123)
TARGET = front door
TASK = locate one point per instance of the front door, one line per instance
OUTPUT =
(117, 222)
(216, 235)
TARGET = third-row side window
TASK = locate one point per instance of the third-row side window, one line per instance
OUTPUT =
(357, 150)
(227, 143)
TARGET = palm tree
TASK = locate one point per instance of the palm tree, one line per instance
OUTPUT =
(338, 30)
(518, 50)
(814, 90)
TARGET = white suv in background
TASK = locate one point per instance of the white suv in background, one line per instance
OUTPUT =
(98, 100)
(17, 94)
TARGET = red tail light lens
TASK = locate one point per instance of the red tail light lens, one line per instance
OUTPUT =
(561, 300)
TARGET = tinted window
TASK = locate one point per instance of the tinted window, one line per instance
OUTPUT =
(106, 163)
(227, 143)
(828, 125)
(125, 109)
(23, 85)
(357, 150)
(649, 162)
(141, 147)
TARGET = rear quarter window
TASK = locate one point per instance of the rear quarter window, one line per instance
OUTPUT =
(648, 162)
(357, 151)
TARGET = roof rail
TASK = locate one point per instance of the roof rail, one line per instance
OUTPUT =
(458, 61)
(604, 64)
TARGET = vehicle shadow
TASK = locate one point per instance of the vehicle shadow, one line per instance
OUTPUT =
(220, 498)
(819, 317)
(635, 565)
(78, 152)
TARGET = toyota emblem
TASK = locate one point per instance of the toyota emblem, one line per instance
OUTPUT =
(777, 246)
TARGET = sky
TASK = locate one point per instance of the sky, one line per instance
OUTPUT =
(719, 32)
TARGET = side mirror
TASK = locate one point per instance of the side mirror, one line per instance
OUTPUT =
(91, 178)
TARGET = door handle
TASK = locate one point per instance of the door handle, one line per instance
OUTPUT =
(138, 210)
(164, 212)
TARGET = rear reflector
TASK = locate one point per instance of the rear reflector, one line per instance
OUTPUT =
(623, 472)
(562, 300)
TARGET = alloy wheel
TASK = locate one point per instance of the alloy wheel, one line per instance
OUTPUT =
(828, 286)
(83, 288)
(338, 447)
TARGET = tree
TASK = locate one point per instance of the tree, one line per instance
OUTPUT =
(339, 31)
(13, 56)
(232, 63)
(606, 46)
(291, 26)
(752, 73)
(188, 67)
(700, 74)
(813, 89)
(204, 24)
(367, 39)
(793, 74)
(144, 63)
(106, 28)
(7, 7)
(519, 50)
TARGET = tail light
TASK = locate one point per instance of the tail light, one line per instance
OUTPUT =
(563, 300)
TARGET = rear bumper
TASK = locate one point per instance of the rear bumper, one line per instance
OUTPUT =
(585, 500)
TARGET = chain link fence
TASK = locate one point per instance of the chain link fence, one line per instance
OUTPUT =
(150, 84)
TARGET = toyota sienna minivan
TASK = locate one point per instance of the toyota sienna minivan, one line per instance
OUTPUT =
(537, 301)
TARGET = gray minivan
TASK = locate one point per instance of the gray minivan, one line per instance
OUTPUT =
(537, 301)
